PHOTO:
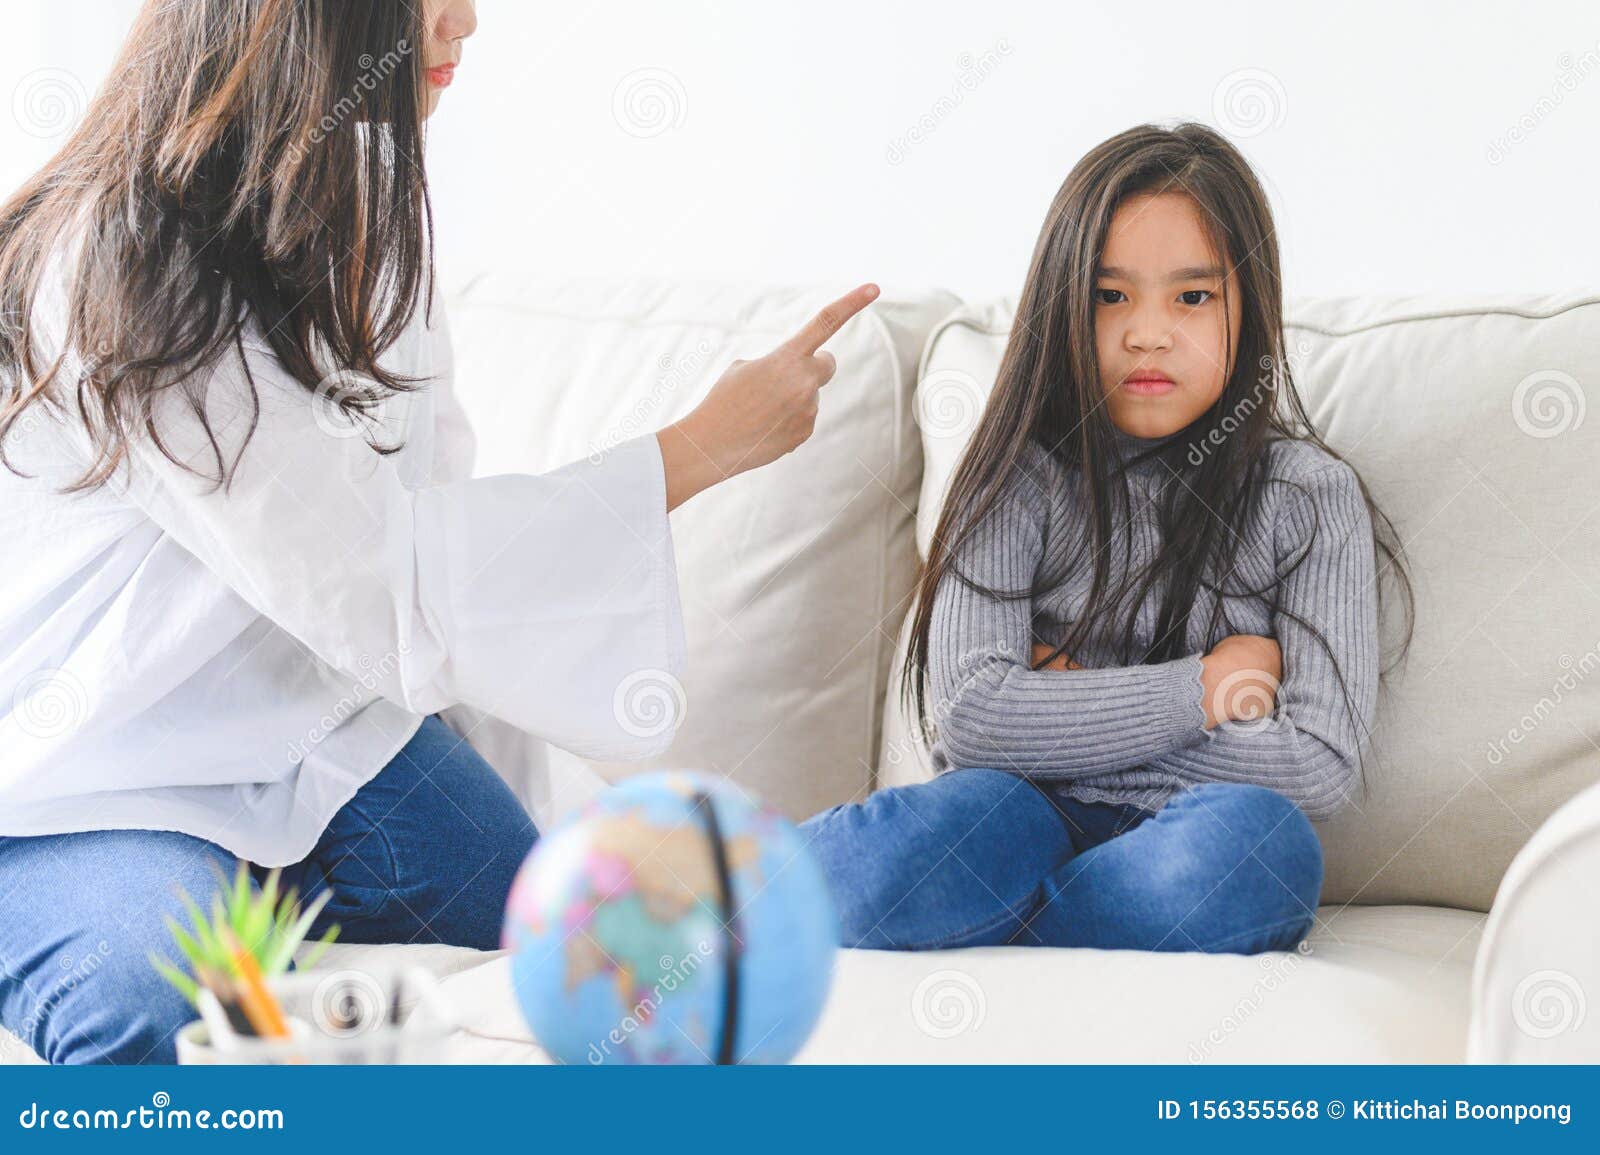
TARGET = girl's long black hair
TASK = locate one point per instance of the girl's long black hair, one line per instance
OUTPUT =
(1048, 392)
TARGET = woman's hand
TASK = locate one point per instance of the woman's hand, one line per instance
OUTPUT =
(1241, 676)
(758, 410)
(1060, 662)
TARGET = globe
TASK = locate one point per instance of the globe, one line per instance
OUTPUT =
(672, 920)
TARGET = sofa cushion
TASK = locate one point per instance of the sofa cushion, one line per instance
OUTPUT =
(1467, 421)
(1371, 985)
(792, 577)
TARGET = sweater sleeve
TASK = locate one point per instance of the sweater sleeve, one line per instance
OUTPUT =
(1308, 749)
(992, 709)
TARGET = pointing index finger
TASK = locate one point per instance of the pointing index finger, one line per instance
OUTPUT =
(832, 318)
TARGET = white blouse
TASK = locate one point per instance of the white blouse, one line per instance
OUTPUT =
(236, 665)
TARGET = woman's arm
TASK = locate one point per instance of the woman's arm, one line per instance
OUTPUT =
(1307, 750)
(993, 709)
(548, 600)
(538, 598)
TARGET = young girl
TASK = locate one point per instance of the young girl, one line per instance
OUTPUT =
(1148, 621)
(243, 565)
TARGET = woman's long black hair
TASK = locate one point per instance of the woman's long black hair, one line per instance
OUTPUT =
(1048, 392)
(245, 159)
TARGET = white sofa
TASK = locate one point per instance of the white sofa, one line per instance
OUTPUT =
(1460, 911)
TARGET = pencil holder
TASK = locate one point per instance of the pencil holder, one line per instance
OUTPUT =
(369, 1015)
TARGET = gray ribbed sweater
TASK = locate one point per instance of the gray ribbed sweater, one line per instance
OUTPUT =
(1136, 733)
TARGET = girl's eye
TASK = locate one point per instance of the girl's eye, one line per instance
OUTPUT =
(1204, 295)
(1107, 296)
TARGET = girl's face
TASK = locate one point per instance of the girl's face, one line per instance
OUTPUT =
(445, 24)
(1164, 306)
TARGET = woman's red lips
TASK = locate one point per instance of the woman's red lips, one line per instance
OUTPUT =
(441, 76)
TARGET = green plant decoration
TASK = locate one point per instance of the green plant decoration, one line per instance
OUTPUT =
(268, 926)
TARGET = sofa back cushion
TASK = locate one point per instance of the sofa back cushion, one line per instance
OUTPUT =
(1467, 420)
(793, 576)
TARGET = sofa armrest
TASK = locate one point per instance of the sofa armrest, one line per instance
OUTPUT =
(1538, 968)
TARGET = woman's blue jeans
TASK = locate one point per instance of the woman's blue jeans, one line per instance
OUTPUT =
(982, 858)
(424, 852)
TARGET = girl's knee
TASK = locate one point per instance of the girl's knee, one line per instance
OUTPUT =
(1274, 832)
(940, 861)
(1264, 848)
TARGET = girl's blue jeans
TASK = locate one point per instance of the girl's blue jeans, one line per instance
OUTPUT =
(982, 858)
(426, 852)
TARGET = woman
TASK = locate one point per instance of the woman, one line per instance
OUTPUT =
(243, 566)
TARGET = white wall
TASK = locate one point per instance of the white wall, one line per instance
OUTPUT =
(1408, 146)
